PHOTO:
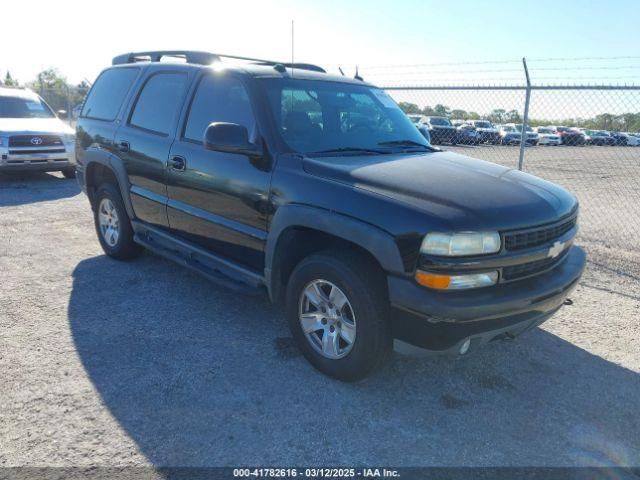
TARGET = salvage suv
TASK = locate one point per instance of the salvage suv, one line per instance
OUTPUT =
(32, 138)
(317, 189)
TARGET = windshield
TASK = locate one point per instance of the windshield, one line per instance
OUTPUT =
(519, 128)
(507, 128)
(24, 107)
(414, 119)
(440, 121)
(483, 124)
(316, 116)
(545, 130)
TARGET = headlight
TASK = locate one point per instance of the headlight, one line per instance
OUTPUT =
(456, 282)
(460, 244)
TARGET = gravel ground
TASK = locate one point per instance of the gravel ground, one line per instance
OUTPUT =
(144, 363)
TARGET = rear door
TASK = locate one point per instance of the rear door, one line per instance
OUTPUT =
(218, 200)
(144, 140)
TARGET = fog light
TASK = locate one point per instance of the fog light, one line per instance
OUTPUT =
(464, 348)
(456, 282)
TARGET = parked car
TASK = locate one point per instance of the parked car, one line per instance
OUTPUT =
(548, 136)
(569, 136)
(632, 140)
(32, 137)
(466, 134)
(487, 132)
(441, 130)
(622, 139)
(531, 137)
(598, 137)
(367, 235)
(420, 121)
(509, 135)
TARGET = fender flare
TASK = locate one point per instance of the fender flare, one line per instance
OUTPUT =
(379, 243)
(115, 164)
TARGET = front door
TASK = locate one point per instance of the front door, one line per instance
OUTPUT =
(218, 200)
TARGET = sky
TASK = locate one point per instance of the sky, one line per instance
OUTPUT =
(80, 38)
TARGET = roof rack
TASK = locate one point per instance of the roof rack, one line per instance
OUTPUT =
(203, 58)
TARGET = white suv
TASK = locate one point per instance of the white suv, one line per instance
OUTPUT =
(32, 138)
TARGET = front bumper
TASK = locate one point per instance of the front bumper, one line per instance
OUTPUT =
(41, 162)
(444, 320)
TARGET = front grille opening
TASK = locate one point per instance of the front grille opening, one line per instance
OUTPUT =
(538, 236)
(42, 140)
(515, 272)
(39, 150)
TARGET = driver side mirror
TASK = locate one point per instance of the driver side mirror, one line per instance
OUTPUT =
(62, 114)
(230, 138)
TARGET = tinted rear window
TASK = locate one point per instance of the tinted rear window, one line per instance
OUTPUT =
(108, 93)
(159, 102)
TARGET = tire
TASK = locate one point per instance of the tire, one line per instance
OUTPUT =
(366, 301)
(108, 202)
(69, 172)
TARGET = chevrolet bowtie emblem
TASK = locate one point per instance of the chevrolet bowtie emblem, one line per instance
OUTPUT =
(556, 249)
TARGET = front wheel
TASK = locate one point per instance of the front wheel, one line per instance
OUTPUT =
(69, 172)
(337, 310)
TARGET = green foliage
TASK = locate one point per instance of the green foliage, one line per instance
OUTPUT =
(9, 81)
(626, 122)
(56, 91)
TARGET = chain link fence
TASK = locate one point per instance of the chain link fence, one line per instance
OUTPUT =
(585, 138)
(65, 100)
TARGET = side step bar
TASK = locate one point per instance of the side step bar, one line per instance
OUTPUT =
(219, 270)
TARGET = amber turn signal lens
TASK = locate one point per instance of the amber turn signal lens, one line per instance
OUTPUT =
(433, 281)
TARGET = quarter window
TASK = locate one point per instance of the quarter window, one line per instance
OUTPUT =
(159, 102)
(219, 99)
(108, 92)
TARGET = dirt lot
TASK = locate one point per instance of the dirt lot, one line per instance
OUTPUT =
(145, 363)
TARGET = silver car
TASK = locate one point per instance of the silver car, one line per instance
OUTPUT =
(32, 137)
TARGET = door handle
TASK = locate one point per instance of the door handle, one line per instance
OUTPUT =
(124, 146)
(178, 163)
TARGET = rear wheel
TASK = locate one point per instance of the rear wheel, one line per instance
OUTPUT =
(113, 224)
(337, 310)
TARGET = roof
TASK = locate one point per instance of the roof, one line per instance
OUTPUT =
(20, 92)
(255, 67)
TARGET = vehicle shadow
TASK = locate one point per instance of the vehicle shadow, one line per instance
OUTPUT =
(200, 376)
(25, 188)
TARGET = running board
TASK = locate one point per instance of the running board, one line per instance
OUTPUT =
(219, 270)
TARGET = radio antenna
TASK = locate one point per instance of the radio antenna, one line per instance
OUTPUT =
(292, 44)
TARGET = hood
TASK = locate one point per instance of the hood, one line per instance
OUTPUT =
(462, 192)
(487, 129)
(34, 125)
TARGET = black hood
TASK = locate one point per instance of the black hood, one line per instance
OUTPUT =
(464, 192)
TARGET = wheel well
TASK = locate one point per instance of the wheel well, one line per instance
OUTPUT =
(296, 243)
(96, 175)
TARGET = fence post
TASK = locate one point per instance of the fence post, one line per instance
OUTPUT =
(525, 120)
(69, 116)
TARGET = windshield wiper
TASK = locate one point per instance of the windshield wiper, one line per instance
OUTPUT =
(354, 150)
(405, 143)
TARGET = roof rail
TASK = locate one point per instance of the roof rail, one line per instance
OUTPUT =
(203, 58)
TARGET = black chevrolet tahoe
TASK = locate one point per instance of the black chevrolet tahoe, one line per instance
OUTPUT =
(318, 190)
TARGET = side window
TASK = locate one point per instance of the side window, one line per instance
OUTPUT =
(219, 99)
(159, 102)
(108, 93)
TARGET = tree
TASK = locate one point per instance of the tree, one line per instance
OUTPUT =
(409, 108)
(442, 110)
(461, 114)
(53, 88)
(9, 81)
